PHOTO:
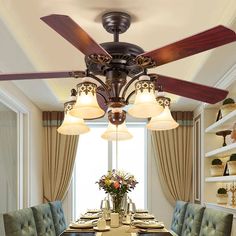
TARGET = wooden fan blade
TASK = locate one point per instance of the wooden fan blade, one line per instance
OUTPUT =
(206, 40)
(43, 75)
(73, 33)
(190, 90)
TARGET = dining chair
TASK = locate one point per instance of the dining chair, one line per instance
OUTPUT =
(20, 223)
(43, 220)
(178, 217)
(58, 216)
(192, 220)
(216, 223)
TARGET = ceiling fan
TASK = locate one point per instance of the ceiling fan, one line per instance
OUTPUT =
(119, 60)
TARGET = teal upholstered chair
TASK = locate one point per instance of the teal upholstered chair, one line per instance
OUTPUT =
(216, 223)
(43, 220)
(192, 220)
(20, 223)
(178, 217)
(58, 216)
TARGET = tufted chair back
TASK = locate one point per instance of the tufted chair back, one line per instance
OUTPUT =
(216, 223)
(58, 217)
(20, 223)
(192, 220)
(178, 217)
(43, 220)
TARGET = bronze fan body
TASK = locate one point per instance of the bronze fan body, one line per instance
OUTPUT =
(119, 60)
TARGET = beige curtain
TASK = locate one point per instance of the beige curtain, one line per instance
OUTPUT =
(172, 150)
(59, 157)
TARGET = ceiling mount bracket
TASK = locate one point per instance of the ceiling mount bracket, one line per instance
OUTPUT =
(116, 23)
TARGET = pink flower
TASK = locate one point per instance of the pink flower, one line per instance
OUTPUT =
(116, 185)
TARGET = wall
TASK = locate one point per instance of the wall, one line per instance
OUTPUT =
(8, 159)
(33, 154)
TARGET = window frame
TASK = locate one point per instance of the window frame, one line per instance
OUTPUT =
(110, 162)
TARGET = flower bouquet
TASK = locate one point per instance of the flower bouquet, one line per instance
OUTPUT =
(117, 183)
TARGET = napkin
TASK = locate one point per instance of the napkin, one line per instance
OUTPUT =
(151, 225)
(81, 224)
(143, 216)
(90, 216)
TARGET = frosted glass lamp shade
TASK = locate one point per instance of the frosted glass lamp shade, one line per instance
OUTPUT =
(72, 126)
(164, 121)
(86, 105)
(122, 132)
(145, 104)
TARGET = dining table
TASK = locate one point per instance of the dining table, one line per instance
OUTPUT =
(122, 230)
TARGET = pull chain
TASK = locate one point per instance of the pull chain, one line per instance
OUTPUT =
(117, 147)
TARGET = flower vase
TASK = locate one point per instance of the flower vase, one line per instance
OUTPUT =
(117, 200)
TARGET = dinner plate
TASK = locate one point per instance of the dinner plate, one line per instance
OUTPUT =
(93, 210)
(126, 223)
(101, 230)
(144, 216)
(141, 211)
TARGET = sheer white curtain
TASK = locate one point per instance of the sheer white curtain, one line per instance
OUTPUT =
(8, 159)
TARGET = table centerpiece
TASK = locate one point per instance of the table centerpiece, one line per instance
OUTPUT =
(117, 184)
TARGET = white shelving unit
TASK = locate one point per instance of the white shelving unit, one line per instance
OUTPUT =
(212, 184)
(222, 124)
(229, 178)
(223, 151)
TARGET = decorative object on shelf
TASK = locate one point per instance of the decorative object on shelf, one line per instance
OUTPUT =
(233, 134)
(226, 171)
(117, 184)
(217, 168)
(232, 189)
(228, 106)
(224, 133)
(232, 164)
(222, 196)
(219, 116)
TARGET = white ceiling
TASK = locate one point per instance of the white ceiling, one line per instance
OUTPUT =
(28, 44)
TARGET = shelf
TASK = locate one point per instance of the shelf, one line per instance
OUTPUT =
(223, 124)
(228, 178)
(223, 151)
(226, 208)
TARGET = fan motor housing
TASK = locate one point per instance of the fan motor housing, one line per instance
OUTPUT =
(123, 55)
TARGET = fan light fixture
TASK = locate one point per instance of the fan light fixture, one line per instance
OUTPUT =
(121, 64)
(163, 121)
(86, 105)
(145, 104)
(117, 132)
(72, 125)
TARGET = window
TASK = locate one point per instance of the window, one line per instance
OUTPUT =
(95, 156)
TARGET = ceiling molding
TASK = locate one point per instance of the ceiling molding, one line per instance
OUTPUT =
(228, 78)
